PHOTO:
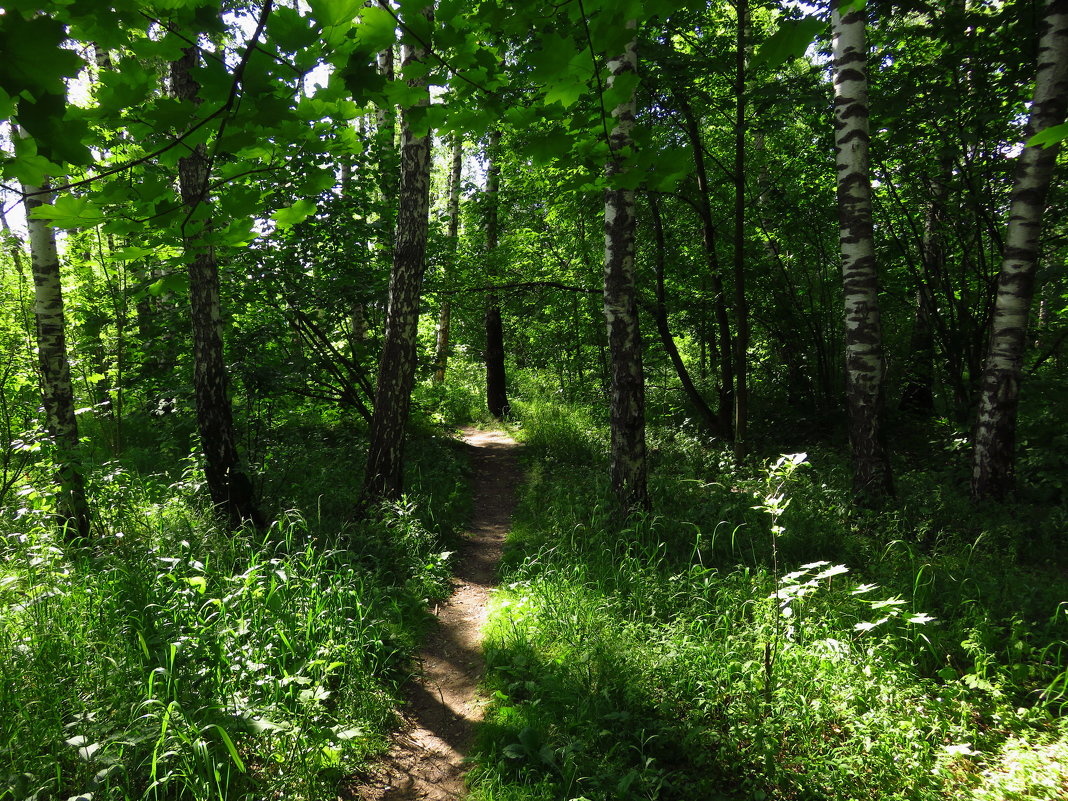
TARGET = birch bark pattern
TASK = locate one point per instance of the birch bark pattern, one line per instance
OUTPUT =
(629, 468)
(441, 344)
(230, 489)
(57, 392)
(993, 462)
(496, 380)
(383, 478)
(863, 337)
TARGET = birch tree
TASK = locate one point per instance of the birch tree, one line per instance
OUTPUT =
(57, 393)
(993, 461)
(863, 338)
(629, 469)
(383, 478)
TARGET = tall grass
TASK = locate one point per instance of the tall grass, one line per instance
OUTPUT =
(175, 660)
(895, 656)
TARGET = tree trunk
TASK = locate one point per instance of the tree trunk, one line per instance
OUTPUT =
(917, 395)
(863, 338)
(719, 298)
(384, 475)
(496, 379)
(441, 345)
(628, 457)
(741, 305)
(696, 398)
(230, 489)
(993, 464)
(57, 393)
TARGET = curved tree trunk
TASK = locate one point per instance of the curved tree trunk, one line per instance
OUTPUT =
(496, 379)
(660, 314)
(719, 297)
(229, 487)
(993, 462)
(384, 476)
(57, 393)
(441, 345)
(629, 468)
(863, 338)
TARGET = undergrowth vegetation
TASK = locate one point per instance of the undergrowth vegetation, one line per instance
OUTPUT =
(761, 637)
(175, 660)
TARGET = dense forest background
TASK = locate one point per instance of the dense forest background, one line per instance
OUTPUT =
(773, 292)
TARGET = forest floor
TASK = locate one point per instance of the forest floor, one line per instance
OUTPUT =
(426, 759)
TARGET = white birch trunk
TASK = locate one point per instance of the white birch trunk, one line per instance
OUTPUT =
(993, 462)
(863, 338)
(57, 392)
(628, 456)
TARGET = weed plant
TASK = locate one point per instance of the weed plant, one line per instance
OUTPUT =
(173, 660)
(759, 637)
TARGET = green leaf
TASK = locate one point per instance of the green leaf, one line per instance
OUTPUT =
(291, 215)
(174, 282)
(361, 77)
(566, 92)
(376, 30)
(29, 169)
(69, 211)
(35, 60)
(289, 30)
(547, 147)
(1050, 136)
(230, 747)
(131, 253)
(329, 13)
(789, 42)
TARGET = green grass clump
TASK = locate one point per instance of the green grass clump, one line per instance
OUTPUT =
(176, 660)
(759, 637)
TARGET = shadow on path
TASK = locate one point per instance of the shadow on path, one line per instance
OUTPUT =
(426, 760)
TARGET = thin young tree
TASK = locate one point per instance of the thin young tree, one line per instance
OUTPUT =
(441, 344)
(993, 459)
(863, 337)
(384, 474)
(496, 378)
(230, 489)
(629, 469)
(57, 392)
(741, 303)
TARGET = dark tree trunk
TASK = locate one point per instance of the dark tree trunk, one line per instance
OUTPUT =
(711, 422)
(917, 394)
(741, 304)
(994, 459)
(230, 489)
(719, 297)
(629, 468)
(384, 475)
(57, 393)
(496, 378)
(863, 338)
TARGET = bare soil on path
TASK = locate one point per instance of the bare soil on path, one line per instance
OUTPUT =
(426, 760)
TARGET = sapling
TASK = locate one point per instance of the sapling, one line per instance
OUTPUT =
(775, 503)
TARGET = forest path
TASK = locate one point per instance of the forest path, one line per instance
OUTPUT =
(426, 760)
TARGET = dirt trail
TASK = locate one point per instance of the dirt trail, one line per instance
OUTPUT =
(426, 759)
